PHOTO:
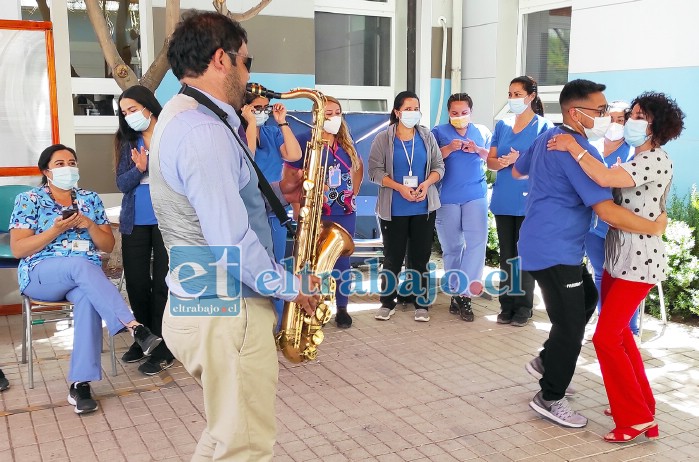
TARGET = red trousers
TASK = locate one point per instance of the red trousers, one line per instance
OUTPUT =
(630, 396)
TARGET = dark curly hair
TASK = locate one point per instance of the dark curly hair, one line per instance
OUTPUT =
(196, 39)
(668, 118)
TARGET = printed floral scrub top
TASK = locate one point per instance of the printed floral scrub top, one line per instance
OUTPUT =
(36, 209)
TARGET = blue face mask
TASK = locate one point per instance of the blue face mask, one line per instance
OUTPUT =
(517, 105)
(410, 118)
(635, 132)
(65, 177)
(137, 121)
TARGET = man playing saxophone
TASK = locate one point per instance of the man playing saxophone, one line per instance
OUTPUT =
(205, 193)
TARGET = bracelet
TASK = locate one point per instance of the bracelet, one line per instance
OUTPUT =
(580, 156)
(284, 124)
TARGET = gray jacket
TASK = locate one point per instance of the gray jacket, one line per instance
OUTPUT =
(381, 165)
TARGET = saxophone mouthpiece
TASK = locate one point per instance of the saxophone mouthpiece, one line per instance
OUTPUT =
(259, 90)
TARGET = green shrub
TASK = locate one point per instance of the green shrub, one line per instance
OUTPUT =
(682, 285)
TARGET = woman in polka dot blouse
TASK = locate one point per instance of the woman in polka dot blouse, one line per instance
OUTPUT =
(634, 263)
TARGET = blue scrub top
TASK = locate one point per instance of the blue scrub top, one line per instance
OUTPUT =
(509, 194)
(143, 206)
(268, 155)
(558, 210)
(464, 172)
(399, 206)
(623, 152)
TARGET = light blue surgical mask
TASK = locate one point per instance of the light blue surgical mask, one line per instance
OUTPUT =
(65, 177)
(410, 118)
(635, 132)
(517, 105)
(137, 121)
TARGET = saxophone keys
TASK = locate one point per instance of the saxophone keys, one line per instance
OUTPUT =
(318, 337)
(323, 313)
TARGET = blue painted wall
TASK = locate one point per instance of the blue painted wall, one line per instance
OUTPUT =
(679, 83)
(277, 82)
(435, 85)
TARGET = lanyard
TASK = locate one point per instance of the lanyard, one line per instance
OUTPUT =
(412, 155)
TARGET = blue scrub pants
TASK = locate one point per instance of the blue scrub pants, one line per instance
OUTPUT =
(349, 222)
(279, 248)
(594, 247)
(94, 297)
(463, 234)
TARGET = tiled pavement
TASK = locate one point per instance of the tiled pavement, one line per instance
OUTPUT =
(388, 391)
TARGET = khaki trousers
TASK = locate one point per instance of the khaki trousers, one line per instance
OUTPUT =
(234, 359)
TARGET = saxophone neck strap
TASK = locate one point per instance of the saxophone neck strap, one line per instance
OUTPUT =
(262, 182)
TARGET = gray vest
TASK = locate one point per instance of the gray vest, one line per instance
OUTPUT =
(177, 219)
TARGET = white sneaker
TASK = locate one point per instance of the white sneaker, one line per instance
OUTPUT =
(558, 411)
(384, 313)
(422, 315)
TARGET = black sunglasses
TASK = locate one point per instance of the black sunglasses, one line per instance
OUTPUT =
(248, 59)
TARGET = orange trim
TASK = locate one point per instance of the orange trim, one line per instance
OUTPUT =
(19, 171)
(47, 27)
(25, 25)
(10, 309)
(51, 68)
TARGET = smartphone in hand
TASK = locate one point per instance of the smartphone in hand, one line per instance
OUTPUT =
(67, 213)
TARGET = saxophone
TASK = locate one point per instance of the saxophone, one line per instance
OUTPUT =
(317, 244)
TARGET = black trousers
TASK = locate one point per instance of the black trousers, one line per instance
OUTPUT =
(411, 235)
(570, 297)
(508, 235)
(147, 291)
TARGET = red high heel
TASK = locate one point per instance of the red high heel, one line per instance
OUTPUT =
(627, 434)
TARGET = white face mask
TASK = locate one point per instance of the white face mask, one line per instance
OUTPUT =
(261, 118)
(599, 127)
(615, 132)
(332, 125)
(137, 121)
(64, 177)
(410, 118)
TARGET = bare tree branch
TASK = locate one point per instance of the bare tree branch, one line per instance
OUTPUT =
(123, 74)
(220, 6)
(157, 70)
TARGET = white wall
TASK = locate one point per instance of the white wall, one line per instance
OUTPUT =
(488, 55)
(10, 9)
(651, 34)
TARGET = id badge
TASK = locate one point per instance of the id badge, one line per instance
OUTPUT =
(334, 177)
(410, 181)
(80, 245)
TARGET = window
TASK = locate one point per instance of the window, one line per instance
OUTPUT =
(546, 45)
(353, 50)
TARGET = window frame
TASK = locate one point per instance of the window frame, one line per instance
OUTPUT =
(363, 8)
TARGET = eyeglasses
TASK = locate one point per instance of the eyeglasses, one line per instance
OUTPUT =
(600, 112)
(248, 59)
(261, 109)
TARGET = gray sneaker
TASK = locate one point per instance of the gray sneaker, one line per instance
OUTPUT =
(535, 367)
(422, 315)
(384, 313)
(558, 411)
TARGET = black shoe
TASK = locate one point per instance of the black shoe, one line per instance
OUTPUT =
(519, 321)
(465, 311)
(134, 354)
(153, 366)
(342, 318)
(505, 317)
(4, 383)
(80, 396)
(145, 339)
(453, 306)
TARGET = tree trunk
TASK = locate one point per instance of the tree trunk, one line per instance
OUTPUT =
(124, 76)
(220, 6)
(156, 71)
